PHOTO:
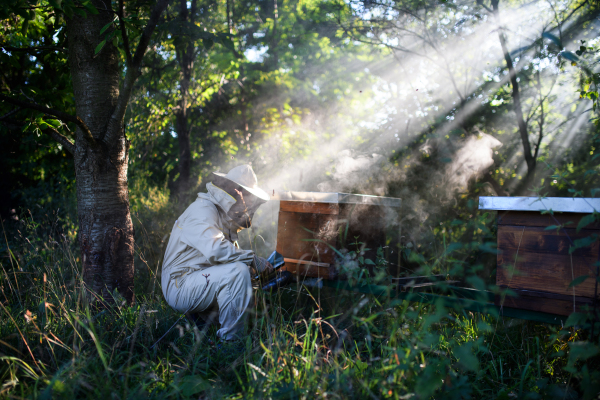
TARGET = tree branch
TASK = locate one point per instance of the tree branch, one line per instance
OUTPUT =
(124, 34)
(8, 114)
(65, 117)
(541, 122)
(133, 71)
(516, 94)
(480, 2)
(487, 177)
(62, 139)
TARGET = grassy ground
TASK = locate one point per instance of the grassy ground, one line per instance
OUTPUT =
(302, 342)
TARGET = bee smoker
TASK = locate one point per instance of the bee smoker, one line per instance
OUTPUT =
(280, 278)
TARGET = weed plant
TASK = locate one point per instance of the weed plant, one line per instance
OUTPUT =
(303, 342)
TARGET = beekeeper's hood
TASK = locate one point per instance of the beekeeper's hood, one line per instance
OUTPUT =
(244, 176)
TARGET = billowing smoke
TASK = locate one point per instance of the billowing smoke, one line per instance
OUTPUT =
(471, 161)
(349, 145)
(359, 174)
(373, 174)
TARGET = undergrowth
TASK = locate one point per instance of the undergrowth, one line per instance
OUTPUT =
(302, 342)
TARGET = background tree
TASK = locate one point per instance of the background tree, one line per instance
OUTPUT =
(238, 95)
(100, 148)
(437, 34)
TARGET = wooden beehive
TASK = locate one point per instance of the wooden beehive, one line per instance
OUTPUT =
(536, 262)
(312, 224)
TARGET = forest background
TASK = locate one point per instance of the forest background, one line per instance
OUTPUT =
(434, 102)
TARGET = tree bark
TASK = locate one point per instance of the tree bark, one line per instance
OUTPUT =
(186, 55)
(106, 233)
(105, 226)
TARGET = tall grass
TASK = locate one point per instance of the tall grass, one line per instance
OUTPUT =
(302, 342)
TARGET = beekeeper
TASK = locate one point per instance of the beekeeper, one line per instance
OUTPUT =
(204, 270)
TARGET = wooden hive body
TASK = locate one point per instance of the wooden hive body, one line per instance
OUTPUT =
(311, 225)
(535, 262)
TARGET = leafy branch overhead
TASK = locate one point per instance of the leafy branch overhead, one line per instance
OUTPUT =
(186, 30)
(586, 58)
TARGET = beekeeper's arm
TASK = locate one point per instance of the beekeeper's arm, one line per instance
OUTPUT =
(200, 232)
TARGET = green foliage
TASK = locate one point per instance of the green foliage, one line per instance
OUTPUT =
(278, 92)
(586, 58)
(302, 341)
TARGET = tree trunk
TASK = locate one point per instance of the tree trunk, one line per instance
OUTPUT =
(274, 40)
(185, 57)
(106, 234)
(530, 159)
(183, 133)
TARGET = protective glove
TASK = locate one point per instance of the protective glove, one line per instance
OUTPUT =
(261, 265)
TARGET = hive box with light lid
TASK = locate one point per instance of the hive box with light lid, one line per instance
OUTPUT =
(539, 263)
(312, 224)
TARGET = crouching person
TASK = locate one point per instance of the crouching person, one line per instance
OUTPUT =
(204, 271)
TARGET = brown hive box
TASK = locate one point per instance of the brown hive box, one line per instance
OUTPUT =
(312, 224)
(535, 262)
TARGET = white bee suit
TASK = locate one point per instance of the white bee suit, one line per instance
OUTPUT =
(203, 269)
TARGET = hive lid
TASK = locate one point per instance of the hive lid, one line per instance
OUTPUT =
(342, 198)
(558, 204)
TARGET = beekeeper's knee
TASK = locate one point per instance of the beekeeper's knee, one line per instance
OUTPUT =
(241, 272)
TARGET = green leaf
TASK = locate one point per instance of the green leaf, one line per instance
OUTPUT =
(80, 12)
(54, 122)
(25, 27)
(568, 55)
(100, 46)
(466, 358)
(416, 257)
(553, 38)
(105, 27)
(14, 62)
(579, 280)
(208, 43)
(476, 282)
(453, 247)
(68, 10)
(90, 7)
(55, 3)
(585, 221)
(487, 248)
(584, 242)
(228, 43)
(575, 319)
(369, 262)
(191, 385)
(552, 227)
(581, 351)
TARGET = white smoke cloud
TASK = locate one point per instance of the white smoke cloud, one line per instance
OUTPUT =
(471, 160)
(361, 173)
